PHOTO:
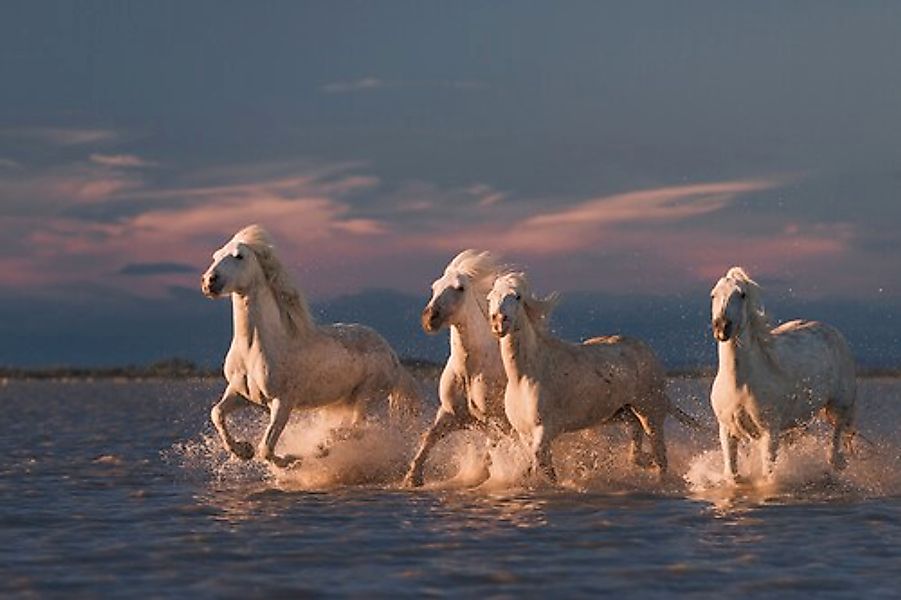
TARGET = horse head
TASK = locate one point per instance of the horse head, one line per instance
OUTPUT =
(734, 305)
(235, 268)
(510, 303)
(505, 303)
(470, 272)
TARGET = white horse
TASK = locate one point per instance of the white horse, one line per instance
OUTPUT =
(281, 360)
(471, 388)
(554, 387)
(773, 381)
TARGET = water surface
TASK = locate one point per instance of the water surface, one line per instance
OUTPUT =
(120, 489)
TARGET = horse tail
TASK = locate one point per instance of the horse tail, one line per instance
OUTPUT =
(683, 417)
(405, 399)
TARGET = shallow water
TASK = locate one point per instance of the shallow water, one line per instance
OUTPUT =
(120, 489)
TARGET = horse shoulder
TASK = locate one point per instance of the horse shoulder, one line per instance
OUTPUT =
(523, 403)
(452, 390)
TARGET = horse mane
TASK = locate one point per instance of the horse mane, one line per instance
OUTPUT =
(758, 318)
(479, 265)
(293, 306)
(538, 310)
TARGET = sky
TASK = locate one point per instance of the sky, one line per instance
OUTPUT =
(622, 149)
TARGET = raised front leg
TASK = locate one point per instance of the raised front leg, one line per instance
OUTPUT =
(729, 444)
(279, 411)
(230, 401)
(444, 424)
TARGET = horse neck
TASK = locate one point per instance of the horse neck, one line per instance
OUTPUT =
(742, 355)
(472, 343)
(257, 318)
(519, 350)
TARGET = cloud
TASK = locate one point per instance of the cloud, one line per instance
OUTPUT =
(375, 83)
(55, 188)
(61, 136)
(121, 160)
(358, 85)
(156, 268)
(656, 204)
(170, 231)
(6, 163)
(594, 222)
(487, 195)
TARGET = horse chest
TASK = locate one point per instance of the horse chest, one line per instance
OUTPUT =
(522, 404)
(481, 397)
(250, 376)
(739, 409)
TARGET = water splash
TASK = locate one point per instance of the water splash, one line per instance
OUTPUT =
(378, 452)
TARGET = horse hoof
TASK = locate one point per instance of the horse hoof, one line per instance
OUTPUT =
(285, 462)
(243, 450)
(643, 460)
(412, 480)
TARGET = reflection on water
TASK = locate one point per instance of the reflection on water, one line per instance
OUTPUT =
(123, 487)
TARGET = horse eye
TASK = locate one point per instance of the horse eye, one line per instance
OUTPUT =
(239, 256)
(459, 288)
(518, 297)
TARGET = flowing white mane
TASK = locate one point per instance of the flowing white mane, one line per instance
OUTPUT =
(537, 309)
(293, 306)
(480, 266)
(758, 320)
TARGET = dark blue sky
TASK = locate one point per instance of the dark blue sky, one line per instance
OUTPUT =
(635, 149)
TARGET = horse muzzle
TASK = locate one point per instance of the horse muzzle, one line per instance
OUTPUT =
(722, 329)
(500, 325)
(211, 285)
(431, 319)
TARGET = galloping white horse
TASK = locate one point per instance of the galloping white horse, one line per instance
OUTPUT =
(471, 388)
(281, 360)
(554, 387)
(772, 381)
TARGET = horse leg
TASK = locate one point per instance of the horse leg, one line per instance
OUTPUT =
(230, 401)
(445, 423)
(729, 444)
(638, 458)
(279, 411)
(653, 428)
(842, 419)
(769, 448)
(541, 455)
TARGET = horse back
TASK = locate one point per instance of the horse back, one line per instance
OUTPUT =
(629, 354)
(802, 339)
(813, 352)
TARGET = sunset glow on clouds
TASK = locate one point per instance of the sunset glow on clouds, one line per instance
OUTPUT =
(323, 219)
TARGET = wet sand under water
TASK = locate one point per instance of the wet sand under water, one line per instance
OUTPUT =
(122, 488)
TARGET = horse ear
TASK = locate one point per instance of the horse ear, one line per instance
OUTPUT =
(538, 310)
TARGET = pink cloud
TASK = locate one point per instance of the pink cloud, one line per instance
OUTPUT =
(583, 246)
(63, 136)
(121, 160)
(657, 204)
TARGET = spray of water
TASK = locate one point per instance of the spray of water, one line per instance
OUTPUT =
(378, 451)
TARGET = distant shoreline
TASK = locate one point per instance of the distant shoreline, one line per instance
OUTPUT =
(180, 369)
